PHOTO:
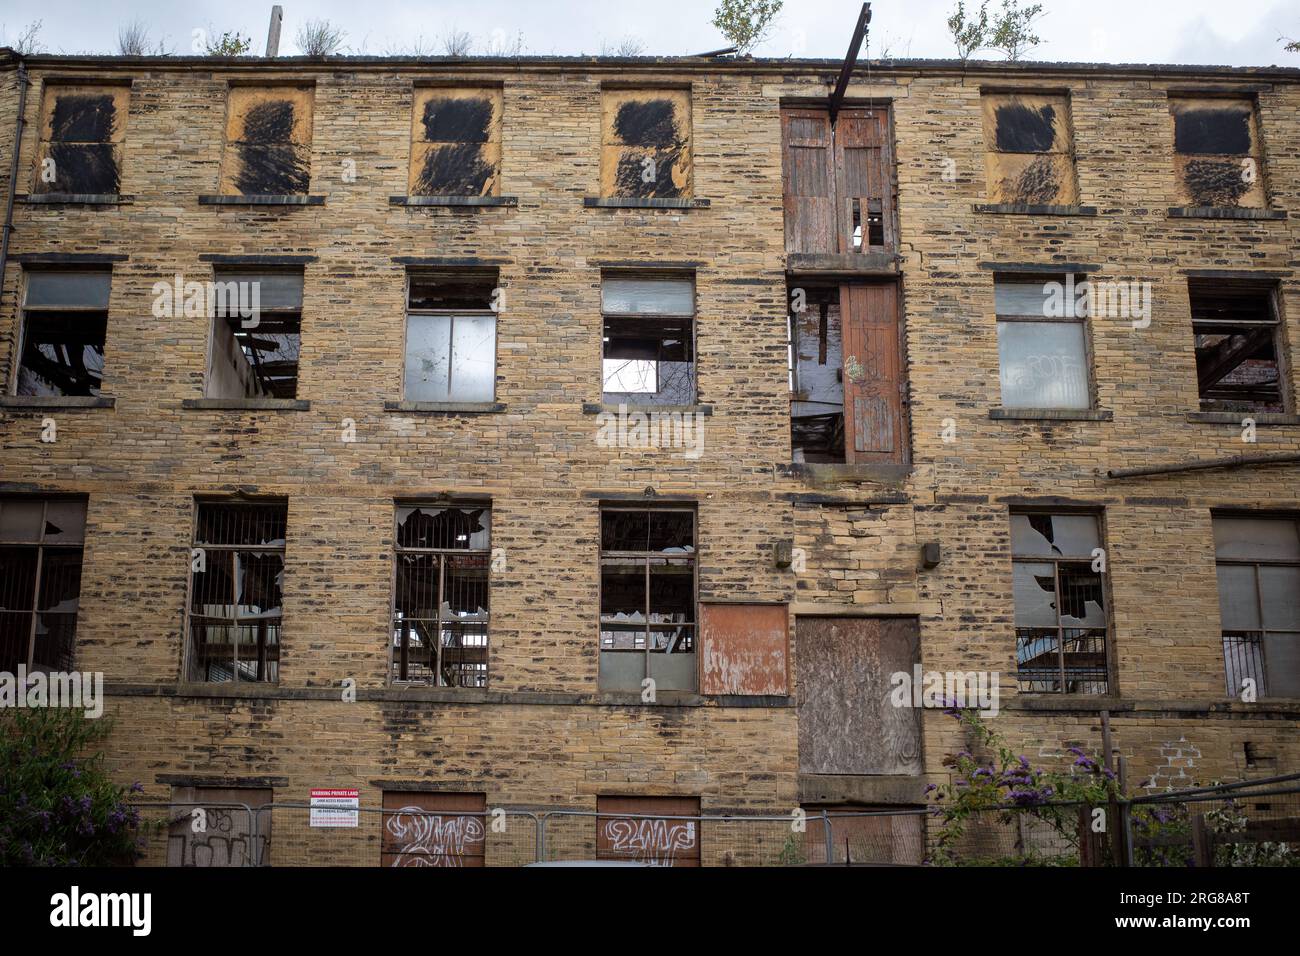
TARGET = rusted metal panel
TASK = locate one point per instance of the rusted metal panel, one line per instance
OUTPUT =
(456, 142)
(82, 131)
(268, 141)
(875, 387)
(1217, 156)
(433, 829)
(1030, 149)
(847, 723)
(745, 648)
(645, 140)
(655, 841)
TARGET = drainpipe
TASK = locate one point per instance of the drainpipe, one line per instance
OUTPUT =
(13, 173)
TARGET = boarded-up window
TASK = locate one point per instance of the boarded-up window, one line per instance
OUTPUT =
(645, 837)
(1042, 350)
(82, 130)
(268, 141)
(40, 582)
(456, 142)
(256, 334)
(881, 835)
(744, 648)
(65, 321)
(1060, 598)
(1239, 352)
(645, 138)
(1029, 149)
(1259, 603)
(847, 721)
(433, 829)
(838, 181)
(440, 606)
(237, 591)
(230, 836)
(1217, 156)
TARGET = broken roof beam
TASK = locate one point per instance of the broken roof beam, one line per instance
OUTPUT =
(1233, 461)
(850, 60)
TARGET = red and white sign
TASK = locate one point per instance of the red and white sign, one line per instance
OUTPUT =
(335, 808)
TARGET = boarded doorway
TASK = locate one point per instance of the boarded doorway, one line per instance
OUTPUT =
(657, 842)
(433, 829)
(847, 724)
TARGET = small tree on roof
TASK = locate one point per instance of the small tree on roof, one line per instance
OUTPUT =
(746, 23)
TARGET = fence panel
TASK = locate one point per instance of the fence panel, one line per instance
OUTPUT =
(197, 834)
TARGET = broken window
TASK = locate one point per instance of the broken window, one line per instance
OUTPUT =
(451, 337)
(656, 831)
(646, 144)
(40, 582)
(1042, 355)
(1061, 621)
(649, 340)
(838, 185)
(1029, 149)
(230, 836)
(1218, 161)
(440, 607)
(256, 335)
(847, 370)
(647, 598)
(268, 141)
(434, 829)
(456, 142)
(1238, 334)
(82, 131)
(236, 591)
(65, 320)
(1259, 602)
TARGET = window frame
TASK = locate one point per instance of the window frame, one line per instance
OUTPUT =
(252, 269)
(1083, 321)
(442, 553)
(694, 560)
(693, 317)
(1277, 322)
(407, 312)
(189, 656)
(1257, 635)
(37, 578)
(1099, 517)
(20, 326)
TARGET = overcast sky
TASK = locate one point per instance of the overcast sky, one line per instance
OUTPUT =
(1236, 32)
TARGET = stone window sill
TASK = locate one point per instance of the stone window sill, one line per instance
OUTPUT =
(446, 408)
(77, 199)
(511, 201)
(57, 401)
(1053, 414)
(1236, 418)
(600, 408)
(1033, 209)
(1224, 212)
(261, 200)
(605, 202)
(247, 404)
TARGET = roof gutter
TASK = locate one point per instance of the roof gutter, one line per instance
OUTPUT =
(13, 172)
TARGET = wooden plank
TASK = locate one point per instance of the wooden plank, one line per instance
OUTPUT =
(847, 723)
(658, 842)
(645, 137)
(808, 181)
(433, 829)
(875, 388)
(744, 648)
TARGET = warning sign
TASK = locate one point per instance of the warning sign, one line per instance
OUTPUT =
(335, 808)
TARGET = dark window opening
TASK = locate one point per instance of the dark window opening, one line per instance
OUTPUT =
(65, 322)
(236, 591)
(648, 350)
(647, 598)
(257, 335)
(40, 582)
(816, 374)
(441, 604)
(1238, 367)
(1060, 605)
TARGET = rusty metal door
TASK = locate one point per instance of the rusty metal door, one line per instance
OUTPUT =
(433, 829)
(658, 842)
(847, 722)
(875, 388)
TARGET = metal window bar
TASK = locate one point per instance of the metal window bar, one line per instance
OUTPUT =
(1244, 650)
(1079, 663)
(50, 579)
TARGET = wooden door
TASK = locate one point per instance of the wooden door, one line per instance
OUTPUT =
(657, 842)
(863, 183)
(875, 388)
(808, 181)
(847, 722)
(433, 829)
